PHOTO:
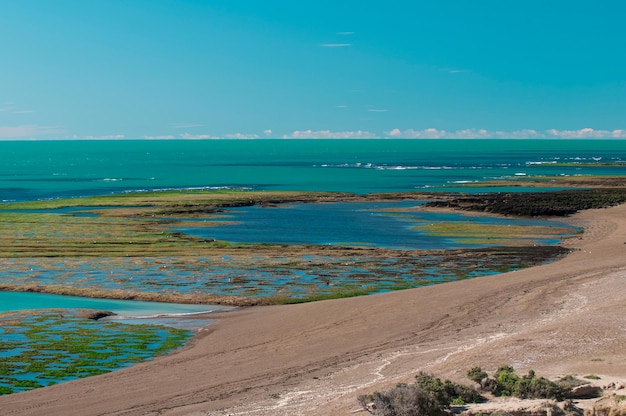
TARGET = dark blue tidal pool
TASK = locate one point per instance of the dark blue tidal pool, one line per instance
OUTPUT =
(392, 225)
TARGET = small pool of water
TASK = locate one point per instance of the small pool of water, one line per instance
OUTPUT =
(127, 311)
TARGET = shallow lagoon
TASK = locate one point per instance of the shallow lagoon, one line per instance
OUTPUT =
(13, 301)
(391, 225)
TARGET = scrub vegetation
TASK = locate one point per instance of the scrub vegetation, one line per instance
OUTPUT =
(429, 396)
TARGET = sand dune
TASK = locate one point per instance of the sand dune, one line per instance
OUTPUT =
(567, 317)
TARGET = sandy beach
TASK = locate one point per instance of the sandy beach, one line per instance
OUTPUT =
(567, 317)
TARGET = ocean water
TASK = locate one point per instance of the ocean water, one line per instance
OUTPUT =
(32, 170)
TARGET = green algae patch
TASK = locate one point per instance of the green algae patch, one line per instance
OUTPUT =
(175, 200)
(126, 225)
(260, 275)
(54, 346)
(495, 234)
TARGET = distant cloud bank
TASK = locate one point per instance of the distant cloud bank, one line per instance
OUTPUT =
(432, 133)
(29, 131)
(34, 132)
(327, 134)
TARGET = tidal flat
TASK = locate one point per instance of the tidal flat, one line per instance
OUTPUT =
(139, 246)
(132, 247)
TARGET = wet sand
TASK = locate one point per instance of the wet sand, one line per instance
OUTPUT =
(567, 317)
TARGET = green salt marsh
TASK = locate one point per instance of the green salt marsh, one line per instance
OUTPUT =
(264, 274)
(164, 247)
(494, 234)
(54, 346)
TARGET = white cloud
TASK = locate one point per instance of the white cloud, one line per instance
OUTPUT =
(432, 133)
(341, 106)
(335, 45)
(186, 125)
(378, 110)
(197, 136)
(104, 137)
(345, 33)
(8, 106)
(587, 133)
(267, 132)
(520, 134)
(241, 136)
(327, 134)
(29, 131)
(454, 70)
(168, 137)
(473, 133)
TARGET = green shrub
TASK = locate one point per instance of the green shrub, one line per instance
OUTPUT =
(428, 396)
(569, 382)
(506, 382)
(532, 387)
(446, 392)
(402, 400)
(457, 401)
(477, 375)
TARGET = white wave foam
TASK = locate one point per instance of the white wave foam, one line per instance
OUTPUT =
(190, 188)
(550, 162)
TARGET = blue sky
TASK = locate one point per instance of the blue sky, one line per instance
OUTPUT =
(312, 68)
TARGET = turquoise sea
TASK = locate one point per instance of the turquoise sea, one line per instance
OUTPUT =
(52, 169)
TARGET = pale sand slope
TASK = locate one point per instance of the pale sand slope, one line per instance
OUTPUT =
(567, 317)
